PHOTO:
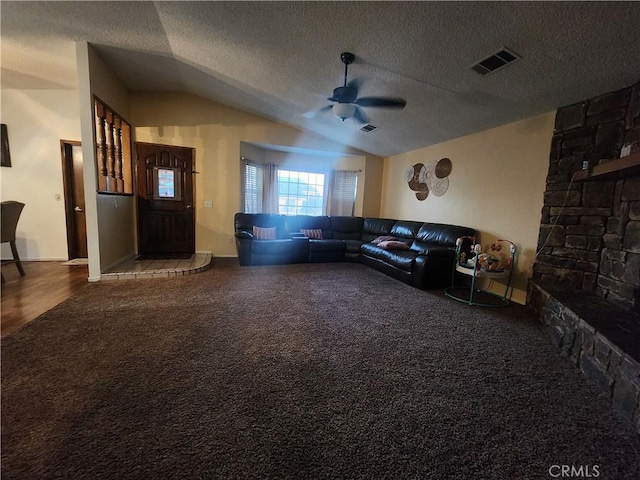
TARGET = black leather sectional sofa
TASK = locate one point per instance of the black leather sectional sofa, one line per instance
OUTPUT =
(426, 263)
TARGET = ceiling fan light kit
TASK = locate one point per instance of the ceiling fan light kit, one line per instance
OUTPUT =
(344, 110)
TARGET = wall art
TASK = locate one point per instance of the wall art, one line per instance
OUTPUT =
(432, 177)
(5, 156)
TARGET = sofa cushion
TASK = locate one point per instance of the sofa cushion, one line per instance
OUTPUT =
(347, 228)
(297, 223)
(402, 259)
(315, 233)
(246, 221)
(406, 229)
(374, 227)
(264, 233)
(326, 245)
(272, 247)
(383, 238)
(441, 235)
(393, 245)
(353, 246)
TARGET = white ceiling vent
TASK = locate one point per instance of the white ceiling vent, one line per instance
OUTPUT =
(495, 62)
(368, 128)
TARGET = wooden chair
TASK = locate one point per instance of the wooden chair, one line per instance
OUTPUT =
(9, 215)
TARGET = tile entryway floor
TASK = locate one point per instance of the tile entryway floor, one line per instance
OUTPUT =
(133, 269)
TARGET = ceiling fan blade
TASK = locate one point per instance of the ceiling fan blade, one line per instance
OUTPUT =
(354, 83)
(346, 94)
(360, 116)
(312, 113)
(381, 102)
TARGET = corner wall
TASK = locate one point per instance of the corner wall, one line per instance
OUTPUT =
(496, 186)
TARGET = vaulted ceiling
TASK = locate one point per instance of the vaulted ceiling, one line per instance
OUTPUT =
(281, 60)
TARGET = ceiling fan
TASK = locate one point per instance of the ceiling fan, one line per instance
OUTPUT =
(346, 97)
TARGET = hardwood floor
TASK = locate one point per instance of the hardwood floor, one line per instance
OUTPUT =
(45, 285)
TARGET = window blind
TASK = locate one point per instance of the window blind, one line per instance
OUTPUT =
(253, 187)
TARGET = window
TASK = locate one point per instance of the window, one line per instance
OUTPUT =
(300, 193)
(253, 187)
(293, 192)
(166, 186)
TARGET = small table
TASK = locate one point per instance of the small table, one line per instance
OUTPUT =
(476, 296)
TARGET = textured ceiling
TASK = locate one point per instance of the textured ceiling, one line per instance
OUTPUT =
(281, 60)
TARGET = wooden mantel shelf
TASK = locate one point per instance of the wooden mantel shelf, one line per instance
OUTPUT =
(619, 167)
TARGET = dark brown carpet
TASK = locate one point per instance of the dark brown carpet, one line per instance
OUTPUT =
(329, 371)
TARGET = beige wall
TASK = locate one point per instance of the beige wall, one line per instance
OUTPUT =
(496, 186)
(217, 132)
(36, 122)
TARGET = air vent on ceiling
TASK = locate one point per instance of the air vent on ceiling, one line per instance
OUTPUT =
(495, 62)
(368, 128)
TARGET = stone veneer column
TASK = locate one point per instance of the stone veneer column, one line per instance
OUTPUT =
(590, 231)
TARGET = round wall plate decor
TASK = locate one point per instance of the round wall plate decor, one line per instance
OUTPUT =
(427, 177)
(443, 168)
(439, 186)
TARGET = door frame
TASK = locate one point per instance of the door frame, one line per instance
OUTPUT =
(67, 185)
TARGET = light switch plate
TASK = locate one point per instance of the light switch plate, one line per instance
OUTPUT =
(208, 204)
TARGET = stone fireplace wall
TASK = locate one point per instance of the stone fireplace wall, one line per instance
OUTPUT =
(590, 230)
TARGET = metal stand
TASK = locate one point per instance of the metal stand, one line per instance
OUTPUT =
(476, 296)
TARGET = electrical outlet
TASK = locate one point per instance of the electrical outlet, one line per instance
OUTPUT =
(626, 151)
(208, 204)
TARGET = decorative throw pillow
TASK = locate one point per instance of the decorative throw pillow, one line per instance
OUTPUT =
(264, 233)
(315, 233)
(393, 245)
(383, 238)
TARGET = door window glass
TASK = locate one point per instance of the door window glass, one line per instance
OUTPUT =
(166, 184)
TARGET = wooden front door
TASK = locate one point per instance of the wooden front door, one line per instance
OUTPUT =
(165, 199)
(74, 199)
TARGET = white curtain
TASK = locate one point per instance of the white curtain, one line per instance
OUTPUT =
(270, 190)
(341, 199)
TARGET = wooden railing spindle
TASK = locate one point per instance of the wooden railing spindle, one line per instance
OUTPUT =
(113, 156)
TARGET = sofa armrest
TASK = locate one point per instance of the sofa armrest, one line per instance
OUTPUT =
(244, 234)
(433, 268)
(244, 240)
